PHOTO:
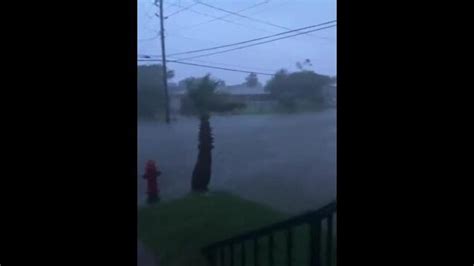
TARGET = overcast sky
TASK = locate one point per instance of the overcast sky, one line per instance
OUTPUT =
(183, 34)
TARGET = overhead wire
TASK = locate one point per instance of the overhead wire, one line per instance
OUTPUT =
(206, 66)
(252, 40)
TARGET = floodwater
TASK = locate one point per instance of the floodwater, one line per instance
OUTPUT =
(285, 161)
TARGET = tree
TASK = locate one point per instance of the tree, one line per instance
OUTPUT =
(302, 86)
(187, 104)
(306, 63)
(205, 100)
(184, 82)
(151, 98)
(251, 80)
(193, 81)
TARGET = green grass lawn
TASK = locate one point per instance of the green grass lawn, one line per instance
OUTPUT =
(178, 229)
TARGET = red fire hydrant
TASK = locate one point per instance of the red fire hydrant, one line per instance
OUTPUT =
(151, 175)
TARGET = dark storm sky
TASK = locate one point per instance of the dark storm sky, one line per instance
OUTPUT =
(183, 34)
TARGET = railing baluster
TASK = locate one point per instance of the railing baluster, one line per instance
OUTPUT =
(270, 250)
(329, 242)
(315, 243)
(289, 246)
(211, 257)
(242, 254)
(222, 256)
(216, 252)
(255, 251)
(231, 254)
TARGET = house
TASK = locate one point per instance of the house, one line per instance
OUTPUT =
(330, 94)
(255, 98)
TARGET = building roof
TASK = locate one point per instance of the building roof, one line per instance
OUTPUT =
(240, 89)
(243, 89)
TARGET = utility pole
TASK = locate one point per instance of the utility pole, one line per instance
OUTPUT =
(163, 56)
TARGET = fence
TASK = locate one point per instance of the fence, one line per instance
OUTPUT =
(319, 249)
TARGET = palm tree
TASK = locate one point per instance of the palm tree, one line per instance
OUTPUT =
(201, 93)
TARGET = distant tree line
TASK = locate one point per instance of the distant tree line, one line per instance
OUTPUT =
(197, 94)
(151, 97)
(301, 88)
(252, 80)
(202, 99)
(292, 90)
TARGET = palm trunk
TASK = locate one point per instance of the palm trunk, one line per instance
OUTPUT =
(202, 170)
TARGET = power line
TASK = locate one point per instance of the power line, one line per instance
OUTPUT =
(217, 18)
(270, 7)
(207, 66)
(243, 16)
(157, 58)
(249, 18)
(157, 35)
(181, 10)
(153, 58)
(150, 39)
(254, 44)
(170, 4)
(252, 40)
(231, 65)
(221, 68)
(247, 41)
(146, 25)
(190, 38)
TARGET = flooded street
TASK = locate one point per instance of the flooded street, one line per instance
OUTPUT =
(284, 161)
